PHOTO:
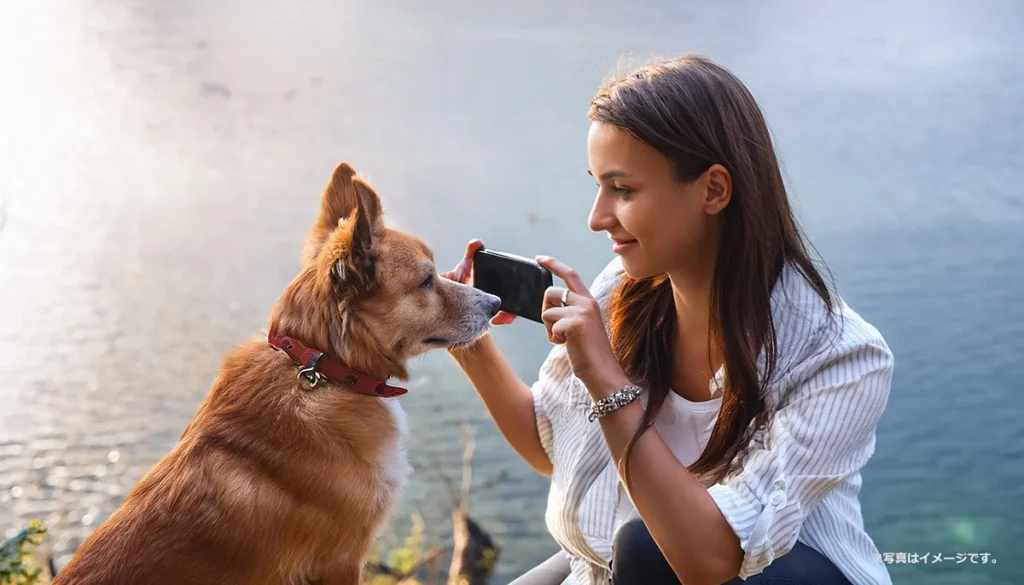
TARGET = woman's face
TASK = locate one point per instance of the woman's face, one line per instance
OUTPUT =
(657, 224)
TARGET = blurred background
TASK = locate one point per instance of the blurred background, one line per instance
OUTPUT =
(161, 161)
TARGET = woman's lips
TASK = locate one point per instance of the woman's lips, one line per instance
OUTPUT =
(620, 245)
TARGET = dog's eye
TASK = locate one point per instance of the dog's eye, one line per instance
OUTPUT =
(429, 282)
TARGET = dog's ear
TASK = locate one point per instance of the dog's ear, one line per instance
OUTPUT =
(368, 203)
(340, 199)
(349, 255)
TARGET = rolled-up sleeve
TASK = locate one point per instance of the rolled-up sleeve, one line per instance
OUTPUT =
(553, 375)
(822, 434)
(550, 390)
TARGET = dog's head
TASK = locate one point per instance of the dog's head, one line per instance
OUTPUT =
(370, 295)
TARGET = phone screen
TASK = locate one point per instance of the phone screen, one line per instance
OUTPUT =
(519, 282)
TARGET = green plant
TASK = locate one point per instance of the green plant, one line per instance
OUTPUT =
(15, 554)
(404, 560)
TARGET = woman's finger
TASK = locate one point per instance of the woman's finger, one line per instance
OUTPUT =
(502, 318)
(460, 273)
(571, 277)
(552, 315)
(553, 297)
(471, 248)
(467, 261)
(563, 328)
(552, 337)
(464, 268)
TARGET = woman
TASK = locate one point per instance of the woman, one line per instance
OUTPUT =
(709, 403)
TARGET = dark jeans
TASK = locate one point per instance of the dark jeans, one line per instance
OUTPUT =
(637, 560)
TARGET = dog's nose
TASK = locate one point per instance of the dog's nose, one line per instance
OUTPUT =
(494, 304)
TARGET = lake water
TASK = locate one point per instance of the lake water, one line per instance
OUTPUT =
(161, 161)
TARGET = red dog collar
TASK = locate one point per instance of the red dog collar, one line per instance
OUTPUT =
(315, 366)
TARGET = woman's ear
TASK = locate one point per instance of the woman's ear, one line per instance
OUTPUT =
(718, 183)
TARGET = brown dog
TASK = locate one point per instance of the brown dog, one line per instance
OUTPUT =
(292, 462)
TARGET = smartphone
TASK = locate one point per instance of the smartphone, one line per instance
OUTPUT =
(519, 282)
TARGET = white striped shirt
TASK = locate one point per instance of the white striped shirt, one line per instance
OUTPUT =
(800, 475)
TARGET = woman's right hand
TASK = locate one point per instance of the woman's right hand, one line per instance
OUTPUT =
(463, 274)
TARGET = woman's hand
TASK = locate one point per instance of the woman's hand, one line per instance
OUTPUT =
(577, 322)
(463, 274)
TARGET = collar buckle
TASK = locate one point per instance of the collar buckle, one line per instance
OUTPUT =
(309, 373)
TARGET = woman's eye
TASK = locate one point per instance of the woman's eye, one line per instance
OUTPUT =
(429, 282)
(622, 191)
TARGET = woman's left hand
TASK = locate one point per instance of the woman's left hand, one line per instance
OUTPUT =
(579, 324)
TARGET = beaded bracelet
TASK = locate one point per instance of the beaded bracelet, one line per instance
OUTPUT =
(609, 404)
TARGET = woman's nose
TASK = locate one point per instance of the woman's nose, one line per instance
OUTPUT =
(601, 217)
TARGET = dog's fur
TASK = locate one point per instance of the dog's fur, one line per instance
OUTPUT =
(274, 483)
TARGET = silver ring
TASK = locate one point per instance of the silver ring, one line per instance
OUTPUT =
(565, 296)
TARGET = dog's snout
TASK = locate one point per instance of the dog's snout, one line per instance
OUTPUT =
(493, 304)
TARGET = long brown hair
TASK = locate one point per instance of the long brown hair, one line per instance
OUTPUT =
(696, 113)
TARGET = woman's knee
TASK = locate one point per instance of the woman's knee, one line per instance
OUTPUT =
(631, 540)
(636, 558)
(804, 564)
(800, 566)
